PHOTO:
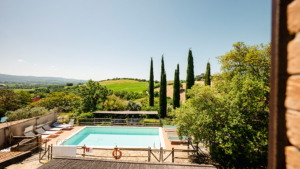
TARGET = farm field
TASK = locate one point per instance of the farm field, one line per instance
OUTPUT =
(26, 90)
(182, 90)
(125, 85)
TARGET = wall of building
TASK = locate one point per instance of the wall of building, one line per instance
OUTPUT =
(18, 127)
(292, 101)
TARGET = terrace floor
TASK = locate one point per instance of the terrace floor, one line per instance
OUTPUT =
(33, 161)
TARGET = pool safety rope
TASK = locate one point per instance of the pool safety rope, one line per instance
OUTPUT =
(117, 157)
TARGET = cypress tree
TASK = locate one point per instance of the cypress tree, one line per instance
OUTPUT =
(164, 114)
(176, 89)
(163, 91)
(190, 73)
(207, 75)
(151, 85)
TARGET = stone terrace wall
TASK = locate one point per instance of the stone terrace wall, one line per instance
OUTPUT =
(17, 127)
(292, 102)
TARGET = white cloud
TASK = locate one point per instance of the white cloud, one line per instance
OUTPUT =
(55, 69)
(52, 66)
(20, 60)
(35, 64)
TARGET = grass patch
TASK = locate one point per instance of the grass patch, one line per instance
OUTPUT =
(151, 120)
(125, 85)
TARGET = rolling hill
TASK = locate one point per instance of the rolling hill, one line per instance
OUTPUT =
(4, 78)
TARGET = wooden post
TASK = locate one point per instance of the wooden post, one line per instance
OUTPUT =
(188, 145)
(149, 153)
(94, 121)
(173, 155)
(10, 138)
(51, 150)
(161, 155)
(48, 152)
(40, 155)
(37, 140)
(84, 147)
(39, 144)
(143, 121)
(116, 150)
(46, 146)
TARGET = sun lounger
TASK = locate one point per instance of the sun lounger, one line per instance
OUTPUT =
(169, 126)
(171, 133)
(48, 128)
(43, 132)
(177, 138)
(45, 138)
(170, 129)
(56, 124)
(178, 142)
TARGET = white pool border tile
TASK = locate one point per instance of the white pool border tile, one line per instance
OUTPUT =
(159, 129)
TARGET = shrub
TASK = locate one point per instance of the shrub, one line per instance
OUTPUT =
(114, 103)
(27, 112)
(86, 115)
(156, 94)
(59, 99)
(134, 106)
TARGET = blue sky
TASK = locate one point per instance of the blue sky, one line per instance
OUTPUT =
(116, 38)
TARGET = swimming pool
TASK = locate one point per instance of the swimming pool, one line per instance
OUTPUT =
(109, 137)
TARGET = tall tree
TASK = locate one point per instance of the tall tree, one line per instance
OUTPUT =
(207, 75)
(163, 91)
(93, 95)
(176, 89)
(8, 101)
(190, 73)
(151, 85)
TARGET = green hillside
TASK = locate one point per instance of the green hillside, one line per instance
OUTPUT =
(125, 85)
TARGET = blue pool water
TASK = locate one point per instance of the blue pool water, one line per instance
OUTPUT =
(117, 136)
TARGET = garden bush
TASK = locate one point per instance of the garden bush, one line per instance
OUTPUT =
(28, 112)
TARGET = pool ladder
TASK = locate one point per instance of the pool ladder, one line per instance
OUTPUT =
(63, 141)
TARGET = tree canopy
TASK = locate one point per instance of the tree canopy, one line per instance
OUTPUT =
(93, 96)
(8, 101)
(232, 116)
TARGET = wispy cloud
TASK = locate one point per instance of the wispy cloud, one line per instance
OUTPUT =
(35, 64)
(20, 60)
(55, 69)
(52, 66)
